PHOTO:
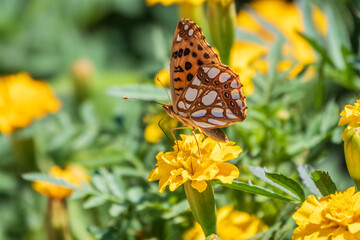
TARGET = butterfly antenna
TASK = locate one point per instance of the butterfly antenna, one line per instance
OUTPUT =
(164, 88)
(125, 97)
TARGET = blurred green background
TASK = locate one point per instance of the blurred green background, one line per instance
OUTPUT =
(124, 43)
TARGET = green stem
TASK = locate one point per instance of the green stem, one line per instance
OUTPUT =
(24, 149)
(203, 207)
(57, 223)
(222, 27)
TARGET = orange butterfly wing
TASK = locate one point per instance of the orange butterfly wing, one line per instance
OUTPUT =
(214, 98)
(189, 51)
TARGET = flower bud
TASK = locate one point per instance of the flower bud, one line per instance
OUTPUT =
(352, 153)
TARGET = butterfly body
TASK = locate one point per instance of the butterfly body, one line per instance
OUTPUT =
(205, 94)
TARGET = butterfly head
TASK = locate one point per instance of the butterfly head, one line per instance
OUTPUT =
(170, 110)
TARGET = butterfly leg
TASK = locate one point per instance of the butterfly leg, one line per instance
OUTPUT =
(172, 133)
(197, 143)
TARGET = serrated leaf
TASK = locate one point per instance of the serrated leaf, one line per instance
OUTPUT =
(305, 173)
(287, 183)
(324, 182)
(260, 173)
(94, 202)
(257, 190)
(100, 184)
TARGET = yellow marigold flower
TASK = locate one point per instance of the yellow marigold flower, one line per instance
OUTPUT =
(164, 77)
(169, 2)
(23, 99)
(350, 115)
(73, 174)
(336, 216)
(231, 224)
(184, 164)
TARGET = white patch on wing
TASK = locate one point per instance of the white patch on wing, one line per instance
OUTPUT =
(234, 84)
(224, 77)
(190, 33)
(219, 104)
(217, 112)
(216, 122)
(206, 69)
(191, 94)
(239, 103)
(196, 82)
(186, 27)
(181, 105)
(199, 113)
(213, 72)
(182, 114)
(203, 125)
(209, 98)
(187, 106)
(235, 94)
(230, 115)
(178, 38)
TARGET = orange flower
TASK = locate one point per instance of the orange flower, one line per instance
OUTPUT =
(23, 99)
(73, 174)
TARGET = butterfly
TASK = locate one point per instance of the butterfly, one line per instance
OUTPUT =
(205, 94)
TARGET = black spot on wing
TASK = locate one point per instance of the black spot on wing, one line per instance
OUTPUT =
(179, 89)
(200, 62)
(188, 65)
(179, 69)
(186, 52)
(206, 56)
(177, 79)
(194, 54)
(189, 77)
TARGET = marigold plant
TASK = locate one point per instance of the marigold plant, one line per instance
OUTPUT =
(232, 225)
(23, 99)
(184, 163)
(350, 115)
(73, 174)
(336, 216)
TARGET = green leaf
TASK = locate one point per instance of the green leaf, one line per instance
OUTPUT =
(305, 173)
(287, 183)
(260, 173)
(146, 92)
(94, 201)
(47, 178)
(324, 182)
(257, 190)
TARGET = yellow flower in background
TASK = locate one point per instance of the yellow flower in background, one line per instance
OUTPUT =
(184, 164)
(245, 60)
(287, 18)
(153, 132)
(169, 2)
(231, 225)
(164, 77)
(336, 216)
(22, 100)
(73, 174)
